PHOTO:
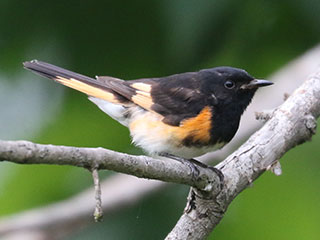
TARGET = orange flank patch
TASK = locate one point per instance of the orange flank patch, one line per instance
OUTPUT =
(151, 129)
(87, 89)
(197, 128)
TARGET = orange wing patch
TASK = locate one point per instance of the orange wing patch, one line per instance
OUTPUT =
(142, 86)
(142, 97)
(87, 89)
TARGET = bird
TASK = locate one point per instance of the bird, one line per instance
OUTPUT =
(181, 116)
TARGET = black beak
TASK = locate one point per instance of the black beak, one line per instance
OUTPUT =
(256, 83)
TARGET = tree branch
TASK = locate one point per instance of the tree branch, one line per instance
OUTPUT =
(293, 123)
(24, 152)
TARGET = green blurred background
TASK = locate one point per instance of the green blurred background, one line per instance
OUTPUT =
(134, 39)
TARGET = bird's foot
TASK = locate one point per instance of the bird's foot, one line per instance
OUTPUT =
(193, 164)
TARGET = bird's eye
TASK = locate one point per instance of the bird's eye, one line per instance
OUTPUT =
(229, 84)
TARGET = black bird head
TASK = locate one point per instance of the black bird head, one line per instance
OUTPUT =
(230, 87)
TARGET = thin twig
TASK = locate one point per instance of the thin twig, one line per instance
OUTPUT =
(98, 213)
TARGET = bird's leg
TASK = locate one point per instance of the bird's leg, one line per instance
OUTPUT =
(193, 163)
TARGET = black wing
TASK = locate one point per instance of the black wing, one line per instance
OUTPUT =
(175, 97)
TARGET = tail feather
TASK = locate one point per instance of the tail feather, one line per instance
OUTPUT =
(52, 71)
(77, 81)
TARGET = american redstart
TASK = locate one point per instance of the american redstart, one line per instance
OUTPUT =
(183, 115)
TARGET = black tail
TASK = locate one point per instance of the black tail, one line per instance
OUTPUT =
(53, 72)
(77, 81)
